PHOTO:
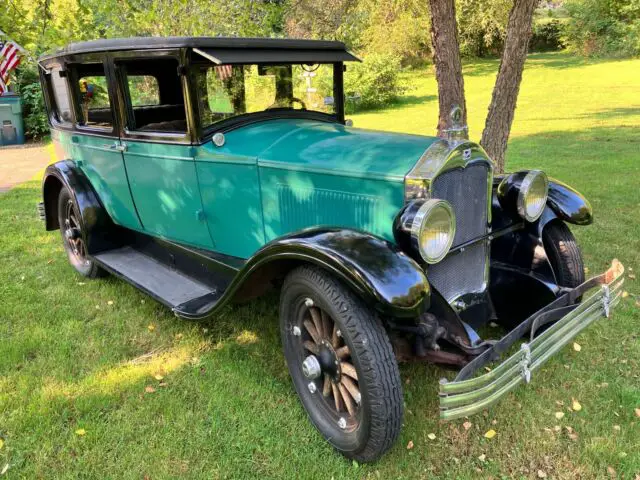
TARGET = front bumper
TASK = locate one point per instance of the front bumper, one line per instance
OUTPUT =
(465, 395)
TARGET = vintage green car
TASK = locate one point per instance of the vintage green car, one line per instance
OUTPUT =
(210, 170)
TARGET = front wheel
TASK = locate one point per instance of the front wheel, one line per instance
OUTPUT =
(564, 254)
(342, 364)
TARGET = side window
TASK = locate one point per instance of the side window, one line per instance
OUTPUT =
(144, 90)
(61, 106)
(155, 98)
(92, 97)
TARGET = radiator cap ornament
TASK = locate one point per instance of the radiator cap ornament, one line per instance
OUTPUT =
(457, 132)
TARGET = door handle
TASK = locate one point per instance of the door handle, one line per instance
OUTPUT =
(118, 148)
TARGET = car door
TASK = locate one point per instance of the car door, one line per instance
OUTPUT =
(95, 144)
(157, 149)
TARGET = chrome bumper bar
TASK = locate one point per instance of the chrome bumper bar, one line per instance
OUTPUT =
(465, 396)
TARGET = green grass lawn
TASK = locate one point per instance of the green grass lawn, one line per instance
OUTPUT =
(157, 397)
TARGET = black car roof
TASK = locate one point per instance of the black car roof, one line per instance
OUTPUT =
(313, 48)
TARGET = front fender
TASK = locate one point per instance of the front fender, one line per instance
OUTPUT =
(567, 204)
(377, 271)
(96, 222)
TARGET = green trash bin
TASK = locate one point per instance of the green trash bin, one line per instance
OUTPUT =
(11, 124)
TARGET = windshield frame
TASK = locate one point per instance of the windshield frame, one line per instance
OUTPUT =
(205, 132)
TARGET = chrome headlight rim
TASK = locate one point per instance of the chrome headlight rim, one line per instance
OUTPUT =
(420, 222)
(524, 192)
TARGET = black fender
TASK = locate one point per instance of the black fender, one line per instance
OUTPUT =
(383, 276)
(97, 227)
(565, 203)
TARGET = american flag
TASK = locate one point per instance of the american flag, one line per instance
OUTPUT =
(9, 59)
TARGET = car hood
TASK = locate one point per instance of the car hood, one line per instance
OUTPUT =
(334, 148)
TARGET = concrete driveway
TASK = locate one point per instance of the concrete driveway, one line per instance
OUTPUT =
(21, 163)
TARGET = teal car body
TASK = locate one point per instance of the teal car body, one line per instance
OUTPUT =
(206, 171)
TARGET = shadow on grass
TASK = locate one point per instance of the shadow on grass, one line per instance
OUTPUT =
(400, 103)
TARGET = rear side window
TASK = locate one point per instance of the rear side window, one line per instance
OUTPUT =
(144, 90)
(61, 105)
(92, 97)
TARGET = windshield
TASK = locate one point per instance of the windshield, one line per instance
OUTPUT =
(225, 91)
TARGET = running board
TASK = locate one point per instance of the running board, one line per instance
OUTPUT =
(173, 288)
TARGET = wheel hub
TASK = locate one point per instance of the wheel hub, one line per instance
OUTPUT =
(329, 361)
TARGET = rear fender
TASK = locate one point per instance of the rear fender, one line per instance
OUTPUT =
(97, 227)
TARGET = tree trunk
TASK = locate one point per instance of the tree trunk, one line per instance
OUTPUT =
(446, 58)
(505, 92)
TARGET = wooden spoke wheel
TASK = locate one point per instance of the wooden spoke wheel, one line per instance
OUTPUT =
(70, 221)
(341, 363)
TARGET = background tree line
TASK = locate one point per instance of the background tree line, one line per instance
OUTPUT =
(388, 34)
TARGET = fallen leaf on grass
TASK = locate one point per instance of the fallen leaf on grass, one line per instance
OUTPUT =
(616, 428)
(542, 474)
(631, 276)
(431, 436)
(575, 405)
(81, 283)
(611, 471)
(1, 443)
(410, 445)
(151, 327)
(149, 389)
(158, 377)
(110, 302)
(576, 346)
(625, 294)
(490, 434)
(559, 415)
(81, 432)
(638, 412)
(467, 425)
(482, 457)
(162, 384)
(557, 428)
(4, 469)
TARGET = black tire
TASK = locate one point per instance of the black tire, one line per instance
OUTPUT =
(369, 429)
(70, 221)
(564, 254)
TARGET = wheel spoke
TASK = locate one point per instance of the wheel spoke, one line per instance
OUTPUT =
(326, 388)
(352, 388)
(343, 352)
(346, 398)
(337, 397)
(312, 331)
(317, 321)
(335, 339)
(349, 369)
(312, 347)
(326, 324)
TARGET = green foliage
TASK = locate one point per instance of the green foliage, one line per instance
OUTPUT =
(482, 26)
(546, 36)
(603, 27)
(373, 83)
(34, 114)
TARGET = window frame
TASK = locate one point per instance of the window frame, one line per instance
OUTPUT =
(124, 100)
(204, 134)
(53, 112)
(72, 83)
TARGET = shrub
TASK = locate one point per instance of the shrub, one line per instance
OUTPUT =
(603, 27)
(546, 36)
(373, 83)
(34, 114)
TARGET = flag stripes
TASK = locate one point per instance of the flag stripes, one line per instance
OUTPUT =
(9, 59)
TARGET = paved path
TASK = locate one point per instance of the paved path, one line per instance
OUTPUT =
(21, 163)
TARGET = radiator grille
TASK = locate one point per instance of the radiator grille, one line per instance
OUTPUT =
(466, 190)
(460, 272)
(463, 271)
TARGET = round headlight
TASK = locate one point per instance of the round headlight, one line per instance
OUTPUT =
(433, 229)
(532, 196)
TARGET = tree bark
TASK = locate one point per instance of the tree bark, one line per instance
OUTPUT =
(446, 58)
(505, 92)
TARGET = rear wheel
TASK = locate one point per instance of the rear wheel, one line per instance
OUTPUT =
(341, 363)
(72, 238)
(564, 254)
